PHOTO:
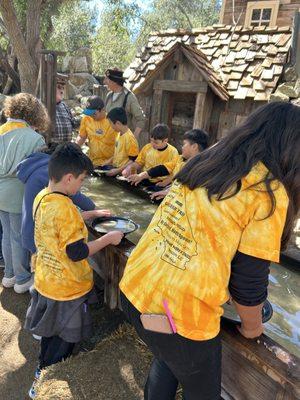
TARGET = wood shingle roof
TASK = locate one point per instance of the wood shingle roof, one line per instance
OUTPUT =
(247, 62)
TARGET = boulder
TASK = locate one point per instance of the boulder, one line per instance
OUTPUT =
(80, 64)
(71, 91)
(290, 74)
(83, 79)
(290, 89)
(65, 65)
(87, 53)
(278, 96)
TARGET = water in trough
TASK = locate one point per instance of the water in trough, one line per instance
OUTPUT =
(284, 288)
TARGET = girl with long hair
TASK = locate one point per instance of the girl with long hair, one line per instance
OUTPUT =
(228, 214)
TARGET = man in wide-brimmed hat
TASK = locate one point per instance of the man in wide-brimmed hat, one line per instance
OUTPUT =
(120, 96)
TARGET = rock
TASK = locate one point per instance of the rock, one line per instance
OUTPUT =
(83, 79)
(71, 103)
(66, 64)
(290, 74)
(87, 53)
(290, 89)
(278, 96)
(71, 91)
(80, 64)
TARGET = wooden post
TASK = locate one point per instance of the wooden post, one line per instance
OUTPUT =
(48, 71)
(156, 107)
(199, 117)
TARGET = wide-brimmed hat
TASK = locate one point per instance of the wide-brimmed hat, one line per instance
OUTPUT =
(94, 103)
(115, 75)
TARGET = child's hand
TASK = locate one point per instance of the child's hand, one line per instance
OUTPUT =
(112, 172)
(251, 334)
(114, 237)
(164, 182)
(101, 213)
(126, 172)
(159, 195)
(135, 179)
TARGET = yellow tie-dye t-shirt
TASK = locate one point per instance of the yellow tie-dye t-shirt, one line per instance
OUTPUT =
(175, 165)
(150, 157)
(101, 139)
(11, 125)
(126, 146)
(185, 254)
(57, 224)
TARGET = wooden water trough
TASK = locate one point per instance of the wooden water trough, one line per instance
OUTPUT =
(252, 369)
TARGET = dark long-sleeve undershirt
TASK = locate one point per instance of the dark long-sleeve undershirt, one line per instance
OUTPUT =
(77, 251)
(159, 170)
(249, 279)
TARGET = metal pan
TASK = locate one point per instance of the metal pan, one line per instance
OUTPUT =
(104, 225)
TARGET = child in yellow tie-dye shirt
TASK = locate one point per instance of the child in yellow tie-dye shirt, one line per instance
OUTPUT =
(225, 218)
(63, 280)
(127, 148)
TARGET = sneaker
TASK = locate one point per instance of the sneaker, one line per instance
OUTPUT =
(32, 391)
(9, 282)
(37, 373)
(24, 287)
(36, 337)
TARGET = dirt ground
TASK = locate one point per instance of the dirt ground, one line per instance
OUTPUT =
(112, 365)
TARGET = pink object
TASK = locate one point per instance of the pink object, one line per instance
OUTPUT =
(169, 315)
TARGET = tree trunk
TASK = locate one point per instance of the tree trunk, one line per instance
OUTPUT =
(27, 65)
(33, 39)
(9, 69)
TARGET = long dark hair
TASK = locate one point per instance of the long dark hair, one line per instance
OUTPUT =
(271, 134)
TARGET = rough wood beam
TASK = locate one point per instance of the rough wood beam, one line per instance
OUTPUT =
(156, 107)
(181, 86)
(199, 117)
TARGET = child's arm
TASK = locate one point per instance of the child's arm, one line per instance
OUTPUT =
(248, 288)
(118, 171)
(135, 179)
(86, 215)
(159, 195)
(165, 182)
(131, 167)
(109, 161)
(82, 135)
(113, 238)
(80, 140)
(80, 250)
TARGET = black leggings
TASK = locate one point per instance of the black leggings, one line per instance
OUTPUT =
(195, 364)
(53, 350)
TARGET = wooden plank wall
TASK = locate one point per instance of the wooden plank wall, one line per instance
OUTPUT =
(226, 116)
(286, 12)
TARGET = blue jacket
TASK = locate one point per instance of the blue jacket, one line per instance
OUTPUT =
(33, 172)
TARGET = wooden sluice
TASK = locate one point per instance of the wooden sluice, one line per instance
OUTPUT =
(252, 369)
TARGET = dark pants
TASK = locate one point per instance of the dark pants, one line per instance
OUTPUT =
(195, 364)
(53, 350)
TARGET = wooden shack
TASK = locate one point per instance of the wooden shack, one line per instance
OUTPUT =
(212, 77)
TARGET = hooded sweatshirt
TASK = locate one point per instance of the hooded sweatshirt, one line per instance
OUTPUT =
(15, 146)
(33, 172)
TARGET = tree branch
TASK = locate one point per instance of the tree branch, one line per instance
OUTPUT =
(9, 70)
(27, 66)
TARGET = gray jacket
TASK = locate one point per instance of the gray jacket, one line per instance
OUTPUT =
(135, 114)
